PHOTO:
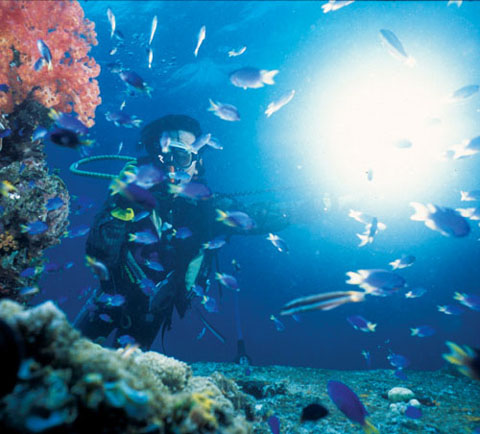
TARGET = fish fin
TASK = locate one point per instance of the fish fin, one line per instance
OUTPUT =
(116, 186)
(137, 123)
(354, 278)
(459, 297)
(327, 7)
(39, 64)
(50, 66)
(464, 195)
(221, 215)
(394, 264)
(174, 188)
(364, 239)
(23, 228)
(369, 428)
(268, 76)
(465, 212)
(132, 237)
(381, 226)
(371, 326)
(414, 332)
(421, 212)
(213, 107)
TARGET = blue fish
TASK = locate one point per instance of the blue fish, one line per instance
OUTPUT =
(78, 231)
(154, 265)
(183, 233)
(31, 271)
(125, 340)
(145, 237)
(105, 317)
(349, 404)
(422, 331)
(5, 133)
(45, 56)
(210, 304)
(39, 133)
(413, 412)
(4, 87)
(68, 121)
(54, 203)
(398, 361)
(34, 228)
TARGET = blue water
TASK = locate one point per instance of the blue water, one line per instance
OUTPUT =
(319, 55)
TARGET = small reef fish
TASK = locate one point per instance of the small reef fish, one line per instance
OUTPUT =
(469, 213)
(34, 228)
(192, 190)
(148, 175)
(395, 47)
(350, 405)
(179, 175)
(470, 196)
(198, 144)
(278, 243)
(360, 323)
(278, 104)
(111, 20)
(210, 304)
(123, 214)
(415, 292)
(278, 324)
(134, 193)
(398, 361)
(413, 412)
(201, 334)
(29, 290)
(68, 138)
(368, 236)
(32, 271)
(6, 188)
(444, 220)
(145, 237)
(466, 359)
(182, 233)
(154, 265)
(466, 148)
(216, 243)
(422, 331)
(105, 317)
(365, 219)
(335, 5)
(236, 219)
(115, 300)
(404, 262)
(153, 29)
(68, 121)
(125, 340)
(99, 268)
(123, 119)
(227, 280)
(274, 424)
(322, 301)
(464, 93)
(78, 231)
(471, 301)
(54, 203)
(150, 58)
(200, 38)
(451, 309)
(313, 412)
(252, 78)
(376, 281)
(227, 112)
(238, 52)
(45, 56)
(134, 81)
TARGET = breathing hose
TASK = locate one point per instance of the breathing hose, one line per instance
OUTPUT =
(74, 167)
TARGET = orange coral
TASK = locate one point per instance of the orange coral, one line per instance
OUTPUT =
(70, 85)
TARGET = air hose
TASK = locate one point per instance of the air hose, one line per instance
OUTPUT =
(74, 168)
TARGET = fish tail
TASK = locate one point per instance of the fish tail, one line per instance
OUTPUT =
(371, 326)
(148, 91)
(394, 264)
(464, 195)
(116, 186)
(421, 211)
(213, 107)
(174, 188)
(268, 76)
(459, 297)
(364, 239)
(369, 428)
(466, 212)
(457, 355)
(53, 114)
(23, 228)
(137, 122)
(132, 237)
(221, 215)
(50, 65)
(414, 332)
(327, 7)
(354, 278)
(270, 111)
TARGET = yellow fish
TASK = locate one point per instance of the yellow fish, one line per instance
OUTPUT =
(123, 214)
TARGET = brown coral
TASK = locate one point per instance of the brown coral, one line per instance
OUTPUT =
(8, 242)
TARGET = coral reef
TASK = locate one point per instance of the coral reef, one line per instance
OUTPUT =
(71, 83)
(69, 384)
(33, 187)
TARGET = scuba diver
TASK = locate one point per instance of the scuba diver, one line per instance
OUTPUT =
(153, 279)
